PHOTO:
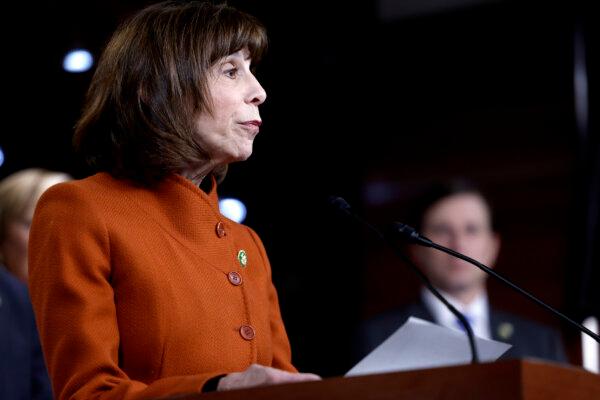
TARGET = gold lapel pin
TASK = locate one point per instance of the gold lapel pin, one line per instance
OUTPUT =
(505, 330)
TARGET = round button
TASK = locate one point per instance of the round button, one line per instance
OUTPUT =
(247, 332)
(220, 229)
(234, 278)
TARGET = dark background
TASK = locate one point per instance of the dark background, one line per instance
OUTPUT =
(372, 101)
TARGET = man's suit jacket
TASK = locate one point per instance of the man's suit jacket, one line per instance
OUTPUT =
(22, 372)
(529, 339)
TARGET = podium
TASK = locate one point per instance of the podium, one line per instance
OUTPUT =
(512, 379)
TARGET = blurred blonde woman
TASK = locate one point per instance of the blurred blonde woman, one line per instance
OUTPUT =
(22, 370)
(19, 194)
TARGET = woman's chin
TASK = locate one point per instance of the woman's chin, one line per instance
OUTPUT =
(242, 154)
(232, 157)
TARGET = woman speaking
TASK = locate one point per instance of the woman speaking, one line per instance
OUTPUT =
(141, 288)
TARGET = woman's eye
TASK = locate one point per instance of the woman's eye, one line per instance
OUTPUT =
(231, 72)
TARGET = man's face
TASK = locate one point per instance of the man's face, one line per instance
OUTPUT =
(462, 223)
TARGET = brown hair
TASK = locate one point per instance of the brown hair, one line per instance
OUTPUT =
(441, 190)
(151, 83)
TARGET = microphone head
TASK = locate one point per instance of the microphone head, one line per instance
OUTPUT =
(409, 233)
(405, 232)
(339, 203)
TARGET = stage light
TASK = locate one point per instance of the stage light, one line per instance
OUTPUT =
(1, 157)
(233, 209)
(78, 61)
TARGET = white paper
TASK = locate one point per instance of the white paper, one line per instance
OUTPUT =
(420, 344)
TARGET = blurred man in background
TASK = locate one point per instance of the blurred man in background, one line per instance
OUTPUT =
(457, 215)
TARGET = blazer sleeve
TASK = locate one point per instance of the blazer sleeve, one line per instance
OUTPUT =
(72, 296)
(282, 354)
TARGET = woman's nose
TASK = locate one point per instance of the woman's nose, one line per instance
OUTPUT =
(257, 95)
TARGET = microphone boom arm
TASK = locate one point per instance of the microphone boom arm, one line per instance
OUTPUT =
(413, 236)
(342, 206)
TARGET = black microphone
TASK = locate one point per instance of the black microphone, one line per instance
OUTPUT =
(408, 233)
(344, 208)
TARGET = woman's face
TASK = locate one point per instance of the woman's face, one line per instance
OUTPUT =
(228, 132)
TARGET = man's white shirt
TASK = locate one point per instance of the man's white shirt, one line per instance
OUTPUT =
(477, 312)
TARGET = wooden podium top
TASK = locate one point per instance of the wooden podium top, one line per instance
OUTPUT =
(512, 379)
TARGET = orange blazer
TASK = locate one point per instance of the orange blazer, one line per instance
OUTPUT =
(142, 293)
